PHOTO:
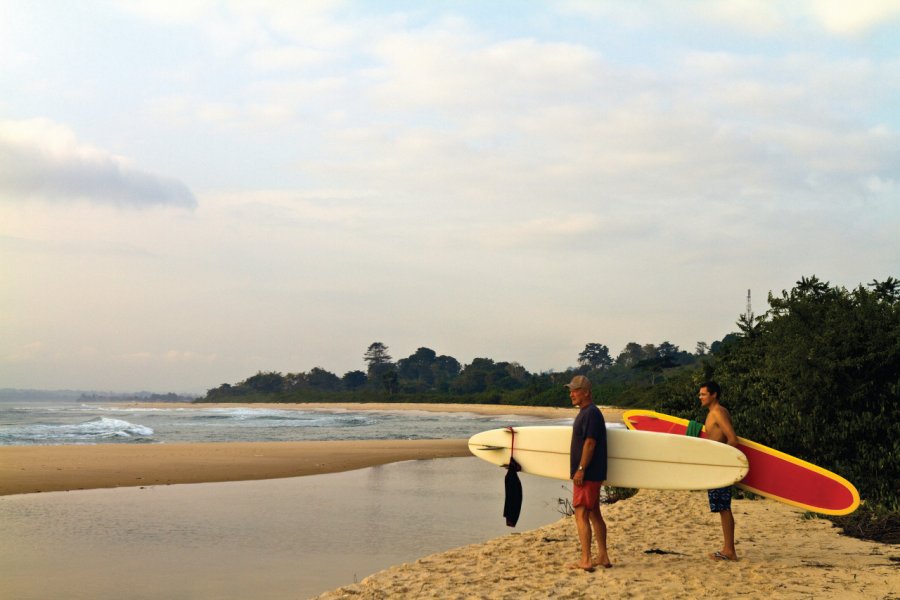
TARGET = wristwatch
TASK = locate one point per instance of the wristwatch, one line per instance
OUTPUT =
(580, 468)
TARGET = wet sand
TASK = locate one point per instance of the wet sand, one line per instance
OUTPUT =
(29, 469)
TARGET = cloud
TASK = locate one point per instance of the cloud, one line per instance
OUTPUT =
(165, 357)
(184, 11)
(853, 18)
(41, 159)
(24, 353)
(542, 231)
(838, 18)
(285, 58)
(235, 26)
(458, 72)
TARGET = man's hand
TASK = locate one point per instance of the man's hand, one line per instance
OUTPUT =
(587, 455)
(578, 479)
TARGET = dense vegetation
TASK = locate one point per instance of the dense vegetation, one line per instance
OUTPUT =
(817, 376)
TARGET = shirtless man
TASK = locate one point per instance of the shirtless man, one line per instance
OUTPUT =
(719, 428)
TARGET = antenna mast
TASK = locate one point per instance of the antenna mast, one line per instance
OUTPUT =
(749, 313)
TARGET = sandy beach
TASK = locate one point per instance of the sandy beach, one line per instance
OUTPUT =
(659, 542)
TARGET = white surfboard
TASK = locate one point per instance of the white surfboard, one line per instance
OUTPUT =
(635, 459)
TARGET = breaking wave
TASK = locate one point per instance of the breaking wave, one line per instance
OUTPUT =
(101, 429)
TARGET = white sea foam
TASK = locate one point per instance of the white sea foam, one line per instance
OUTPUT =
(266, 417)
(95, 430)
(251, 413)
(136, 409)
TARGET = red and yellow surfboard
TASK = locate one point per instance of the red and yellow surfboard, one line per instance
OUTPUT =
(772, 474)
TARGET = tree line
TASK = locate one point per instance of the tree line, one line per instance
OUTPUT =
(440, 378)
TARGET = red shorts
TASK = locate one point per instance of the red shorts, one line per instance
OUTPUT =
(587, 495)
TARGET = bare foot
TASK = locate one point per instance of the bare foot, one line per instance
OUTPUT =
(589, 568)
(718, 555)
(605, 565)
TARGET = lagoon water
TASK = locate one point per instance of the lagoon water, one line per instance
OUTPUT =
(284, 538)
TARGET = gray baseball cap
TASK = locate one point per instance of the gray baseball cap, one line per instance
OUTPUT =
(579, 382)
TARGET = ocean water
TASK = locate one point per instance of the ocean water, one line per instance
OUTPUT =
(55, 423)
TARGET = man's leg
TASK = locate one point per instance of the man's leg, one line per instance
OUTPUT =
(728, 533)
(582, 520)
(600, 532)
(720, 502)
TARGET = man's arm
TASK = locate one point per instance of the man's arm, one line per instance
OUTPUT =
(587, 453)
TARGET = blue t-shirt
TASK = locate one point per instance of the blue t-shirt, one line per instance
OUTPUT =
(589, 424)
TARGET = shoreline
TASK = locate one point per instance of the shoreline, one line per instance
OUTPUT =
(35, 469)
(610, 413)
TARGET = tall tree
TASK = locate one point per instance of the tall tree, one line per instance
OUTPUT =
(667, 350)
(265, 383)
(446, 369)
(353, 380)
(416, 369)
(631, 355)
(321, 379)
(475, 377)
(390, 381)
(887, 290)
(379, 362)
(649, 352)
(294, 381)
(377, 355)
(595, 356)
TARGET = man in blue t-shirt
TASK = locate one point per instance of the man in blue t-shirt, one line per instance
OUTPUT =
(588, 470)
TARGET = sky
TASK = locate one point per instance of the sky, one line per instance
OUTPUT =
(192, 192)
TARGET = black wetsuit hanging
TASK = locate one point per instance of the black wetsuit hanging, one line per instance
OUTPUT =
(512, 505)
